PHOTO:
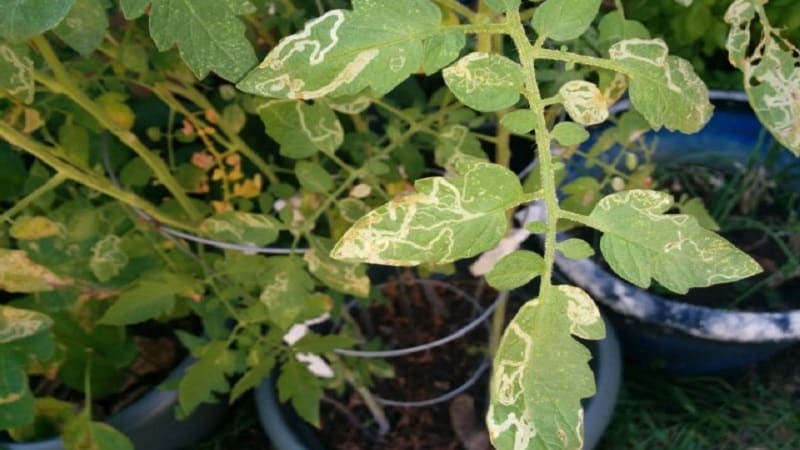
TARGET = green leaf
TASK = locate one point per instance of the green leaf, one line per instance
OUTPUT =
(663, 88)
(252, 378)
(515, 269)
(564, 20)
(441, 50)
(84, 27)
(108, 259)
(23, 19)
(521, 121)
(536, 227)
(286, 290)
(150, 298)
(541, 373)
(641, 243)
(133, 9)
(503, 5)
(33, 228)
(584, 102)
(298, 385)
(241, 228)
(74, 140)
(345, 277)
(50, 415)
(316, 343)
(697, 209)
(352, 209)
(207, 376)
(208, 34)
(80, 433)
(575, 248)
(313, 177)
(302, 129)
(376, 46)
(445, 220)
(16, 70)
(455, 142)
(16, 399)
(19, 274)
(569, 133)
(485, 82)
(771, 72)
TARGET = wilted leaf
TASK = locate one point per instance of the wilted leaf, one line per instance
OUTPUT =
(445, 220)
(485, 81)
(641, 243)
(664, 88)
(19, 274)
(302, 129)
(564, 20)
(541, 373)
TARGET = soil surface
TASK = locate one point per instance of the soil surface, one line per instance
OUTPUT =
(451, 425)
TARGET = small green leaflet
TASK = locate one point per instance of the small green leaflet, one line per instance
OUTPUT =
(23, 19)
(503, 5)
(445, 220)
(302, 129)
(298, 385)
(108, 259)
(541, 373)
(16, 71)
(564, 20)
(150, 298)
(345, 277)
(241, 228)
(442, 49)
(16, 399)
(208, 33)
(485, 81)
(207, 376)
(584, 102)
(771, 72)
(313, 177)
(19, 274)
(521, 121)
(663, 88)
(575, 248)
(377, 46)
(80, 433)
(641, 243)
(515, 269)
(84, 27)
(569, 133)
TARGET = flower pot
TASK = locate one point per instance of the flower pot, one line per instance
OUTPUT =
(287, 431)
(150, 422)
(667, 333)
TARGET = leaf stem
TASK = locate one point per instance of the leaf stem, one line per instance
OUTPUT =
(51, 184)
(569, 57)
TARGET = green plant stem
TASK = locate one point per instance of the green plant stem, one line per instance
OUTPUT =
(527, 55)
(51, 184)
(64, 84)
(47, 156)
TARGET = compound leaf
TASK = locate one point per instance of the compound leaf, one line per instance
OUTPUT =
(485, 81)
(663, 88)
(377, 45)
(641, 243)
(541, 373)
(445, 220)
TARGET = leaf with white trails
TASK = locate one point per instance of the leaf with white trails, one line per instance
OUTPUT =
(16, 323)
(23, 19)
(515, 269)
(569, 133)
(313, 177)
(641, 243)
(108, 258)
(445, 220)
(84, 27)
(16, 71)
(241, 228)
(287, 287)
(442, 49)
(663, 88)
(349, 105)
(541, 373)
(564, 20)
(771, 72)
(584, 102)
(455, 142)
(302, 129)
(208, 33)
(485, 81)
(19, 274)
(503, 5)
(377, 45)
(521, 121)
(345, 277)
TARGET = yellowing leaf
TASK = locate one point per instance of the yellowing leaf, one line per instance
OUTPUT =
(241, 228)
(19, 274)
(16, 323)
(33, 228)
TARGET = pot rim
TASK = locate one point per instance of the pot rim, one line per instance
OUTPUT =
(719, 324)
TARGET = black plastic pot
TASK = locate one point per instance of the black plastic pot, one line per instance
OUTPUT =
(680, 337)
(287, 431)
(150, 422)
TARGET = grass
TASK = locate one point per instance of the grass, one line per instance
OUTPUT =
(758, 409)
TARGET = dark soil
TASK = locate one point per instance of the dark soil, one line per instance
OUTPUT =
(452, 425)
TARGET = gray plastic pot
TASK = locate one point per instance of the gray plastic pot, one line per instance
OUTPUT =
(150, 422)
(666, 333)
(286, 431)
